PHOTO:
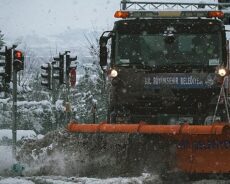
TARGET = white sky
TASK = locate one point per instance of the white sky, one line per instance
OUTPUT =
(28, 21)
(19, 17)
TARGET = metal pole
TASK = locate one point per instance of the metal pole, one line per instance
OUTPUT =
(218, 101)
(54, 124)
(14, 126)
(123, 4)
(4, 104)
(94, 112)
(222, 92)
(67, 102)
(14, 108)
(226, 106)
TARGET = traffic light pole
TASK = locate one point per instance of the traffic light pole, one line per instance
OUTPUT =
(54, 92)
(68, 113)
(14, 126)
(14, 62)
(64, 65)
(68, 105)
(14, 108)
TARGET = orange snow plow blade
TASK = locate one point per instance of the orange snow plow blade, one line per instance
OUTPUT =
(151, 129)
(199, 148)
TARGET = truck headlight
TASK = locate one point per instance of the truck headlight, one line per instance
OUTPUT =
(113, 73)
(222, 72)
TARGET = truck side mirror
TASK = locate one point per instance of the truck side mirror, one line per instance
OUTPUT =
(103, 51)
(103, 56)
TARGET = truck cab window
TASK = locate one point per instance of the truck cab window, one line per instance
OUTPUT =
(129, 49)
(155, 50)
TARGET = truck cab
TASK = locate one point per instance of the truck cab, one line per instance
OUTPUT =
(165, 66)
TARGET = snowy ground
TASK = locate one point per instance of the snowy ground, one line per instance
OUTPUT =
(47, 148)
(21, 134)
(144, 179)
(6, 159)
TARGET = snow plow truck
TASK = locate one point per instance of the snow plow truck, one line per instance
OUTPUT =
(169, 88)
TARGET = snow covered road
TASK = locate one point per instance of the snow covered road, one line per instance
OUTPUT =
(32, 174)
(144, 179)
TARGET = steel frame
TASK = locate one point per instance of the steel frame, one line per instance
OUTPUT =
(137, 5)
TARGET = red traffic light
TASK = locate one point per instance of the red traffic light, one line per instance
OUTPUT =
(18, 55)
(72, 75)
(18, 60)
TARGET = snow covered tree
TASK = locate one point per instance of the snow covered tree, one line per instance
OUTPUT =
(43, 110)
(1, 39)
(92, 92)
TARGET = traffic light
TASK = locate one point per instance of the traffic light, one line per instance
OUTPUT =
(2, 68)
(2, 64)
(47, 76)
(224, 1)
(8, 65)
(18, 60)
(72, 76)
(14, 60)
(58, 65)
(62, 66)
(70, 65)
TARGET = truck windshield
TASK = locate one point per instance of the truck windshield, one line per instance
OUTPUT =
(170, 49)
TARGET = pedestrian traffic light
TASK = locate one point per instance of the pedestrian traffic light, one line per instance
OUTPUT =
(59, 68)
(72, 77)
(18, 60)
(47, 76)
(69, 64)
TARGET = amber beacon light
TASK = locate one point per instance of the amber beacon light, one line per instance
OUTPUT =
(217, 14)
(121, 14)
